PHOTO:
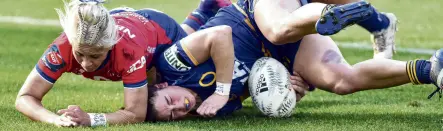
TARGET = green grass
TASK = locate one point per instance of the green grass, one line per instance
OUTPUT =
(400, 108)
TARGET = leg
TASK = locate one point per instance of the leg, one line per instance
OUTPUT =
(320, 62)
(206, 10)
(287, 21)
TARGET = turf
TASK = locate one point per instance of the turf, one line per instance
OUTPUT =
(399, 108)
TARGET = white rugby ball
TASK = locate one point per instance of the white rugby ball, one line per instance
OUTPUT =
(270, 88)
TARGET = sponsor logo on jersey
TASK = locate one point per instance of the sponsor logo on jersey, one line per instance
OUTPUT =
(151, 50)
(137, 65)
(173, 61)
(52, 59)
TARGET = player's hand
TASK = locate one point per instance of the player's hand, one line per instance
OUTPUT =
(77, 115)
(210, 106)
(299, 85)
(64, 121)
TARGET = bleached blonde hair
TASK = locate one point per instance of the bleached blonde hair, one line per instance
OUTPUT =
(88, 22)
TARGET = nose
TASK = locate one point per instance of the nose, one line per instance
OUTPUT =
(86, 62)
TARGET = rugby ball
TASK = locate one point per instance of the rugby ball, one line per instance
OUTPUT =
(270, 88)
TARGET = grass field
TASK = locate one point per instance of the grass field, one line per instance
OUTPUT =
(400, 108)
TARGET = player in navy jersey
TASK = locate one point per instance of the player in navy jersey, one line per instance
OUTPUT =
(118, 46)
(315, 59)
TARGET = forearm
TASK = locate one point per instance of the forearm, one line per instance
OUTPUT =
(135, 108)
(223, 56)
(33, 109)
(123, 117)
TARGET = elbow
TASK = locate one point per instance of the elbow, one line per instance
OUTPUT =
(18, 103)
(140, 118)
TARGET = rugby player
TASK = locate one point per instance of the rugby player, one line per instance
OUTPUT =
(315, 59)
(118, 47)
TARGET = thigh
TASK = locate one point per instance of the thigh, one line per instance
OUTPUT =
(320, 62)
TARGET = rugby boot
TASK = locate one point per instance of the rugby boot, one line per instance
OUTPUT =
(436, 72)
(337, 17)
(383, 41)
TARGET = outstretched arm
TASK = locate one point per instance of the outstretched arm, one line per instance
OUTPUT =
(29, 102)
(134, 111)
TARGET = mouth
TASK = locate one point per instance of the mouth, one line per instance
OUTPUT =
(89, 69)
(187, 104)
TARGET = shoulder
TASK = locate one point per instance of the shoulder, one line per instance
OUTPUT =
(58, 54)
(128, 57)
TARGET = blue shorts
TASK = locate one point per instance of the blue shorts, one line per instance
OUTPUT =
(249, 43)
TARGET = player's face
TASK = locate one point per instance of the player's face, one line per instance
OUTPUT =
(173, 103)
(89, 57)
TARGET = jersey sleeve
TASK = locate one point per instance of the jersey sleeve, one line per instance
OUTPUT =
(52, 64)
(135, 75)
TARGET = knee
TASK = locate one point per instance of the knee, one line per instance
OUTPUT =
(343, 87)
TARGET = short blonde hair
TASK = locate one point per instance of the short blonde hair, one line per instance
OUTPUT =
(88, 22)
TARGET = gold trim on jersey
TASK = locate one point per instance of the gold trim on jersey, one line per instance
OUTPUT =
(265, 51)
(247, 21)
(204, 76)
(188, 53)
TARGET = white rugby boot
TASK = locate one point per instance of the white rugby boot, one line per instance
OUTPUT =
(383, 41)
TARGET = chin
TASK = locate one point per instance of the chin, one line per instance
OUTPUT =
(89, 70)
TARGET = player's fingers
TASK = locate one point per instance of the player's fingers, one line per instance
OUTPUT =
(300, 91)
(76, 120)
(62, 111)
(298, 97)
(64, 117)
(201, 110)
(213, 112)
(292, 80)
(298, 84)
(71, 114)
(297, 78)
(208, 111)
(66, 121)
(62, 124)
(73, 107)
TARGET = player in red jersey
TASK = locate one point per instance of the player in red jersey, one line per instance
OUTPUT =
(117, 47)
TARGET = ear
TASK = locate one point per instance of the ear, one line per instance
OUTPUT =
(161, 85)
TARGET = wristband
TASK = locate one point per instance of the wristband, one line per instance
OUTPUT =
(223, 88)
(97, 119)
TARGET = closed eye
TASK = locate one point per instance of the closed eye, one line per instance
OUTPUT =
(95, 56)
(78, 53)
(168, 101)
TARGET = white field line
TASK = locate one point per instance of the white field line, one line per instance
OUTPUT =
(28, 21)
(350, 45)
